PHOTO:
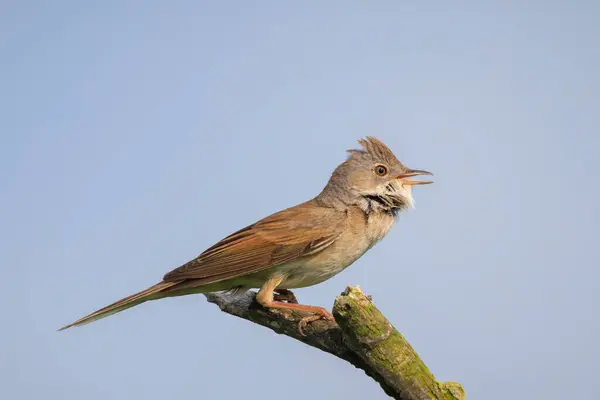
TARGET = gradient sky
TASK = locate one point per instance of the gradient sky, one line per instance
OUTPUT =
(135, 134)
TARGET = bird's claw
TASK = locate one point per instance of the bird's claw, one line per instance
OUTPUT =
(322, 314)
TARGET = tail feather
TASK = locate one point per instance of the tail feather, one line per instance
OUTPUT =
(123, 304)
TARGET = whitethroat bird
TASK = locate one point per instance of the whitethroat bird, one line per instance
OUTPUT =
(300, 246)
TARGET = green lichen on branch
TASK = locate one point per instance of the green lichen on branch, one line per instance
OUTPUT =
(399, 369)
(361, 335)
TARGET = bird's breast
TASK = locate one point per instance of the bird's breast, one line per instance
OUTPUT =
(362, 232)
(378, 225)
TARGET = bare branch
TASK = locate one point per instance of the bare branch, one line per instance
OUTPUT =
(361, 335)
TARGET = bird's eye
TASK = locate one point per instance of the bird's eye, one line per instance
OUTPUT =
(381, 170)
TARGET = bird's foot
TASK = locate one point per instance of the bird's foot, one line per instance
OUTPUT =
(285, 295)
(320, 313)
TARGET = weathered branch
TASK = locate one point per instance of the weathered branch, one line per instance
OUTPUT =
(361, 335)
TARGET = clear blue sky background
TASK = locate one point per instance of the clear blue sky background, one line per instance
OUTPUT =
(135, 134)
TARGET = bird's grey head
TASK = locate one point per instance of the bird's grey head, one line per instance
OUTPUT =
(373, 179)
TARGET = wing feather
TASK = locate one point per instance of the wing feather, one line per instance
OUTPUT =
(276, 240)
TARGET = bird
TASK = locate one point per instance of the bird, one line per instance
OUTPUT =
(299, 246)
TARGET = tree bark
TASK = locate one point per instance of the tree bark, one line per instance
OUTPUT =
(360, 335)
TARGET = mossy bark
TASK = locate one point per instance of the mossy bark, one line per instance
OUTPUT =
(398, 368)
(361, 335)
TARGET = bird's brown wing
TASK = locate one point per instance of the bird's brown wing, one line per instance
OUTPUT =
(276, 240)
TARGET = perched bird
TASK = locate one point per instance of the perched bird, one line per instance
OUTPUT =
(300, 246)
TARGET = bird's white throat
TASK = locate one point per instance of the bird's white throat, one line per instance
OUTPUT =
(391, 197)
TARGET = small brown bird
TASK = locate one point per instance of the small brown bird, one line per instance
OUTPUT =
(300, 246)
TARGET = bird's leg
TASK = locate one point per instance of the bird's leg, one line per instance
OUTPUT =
(264, 297)
(285, 295)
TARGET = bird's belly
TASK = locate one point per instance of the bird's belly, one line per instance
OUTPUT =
(333, 260)
(323, 266)
(307, 275)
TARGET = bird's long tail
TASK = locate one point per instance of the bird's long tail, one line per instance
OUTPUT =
(152, 293)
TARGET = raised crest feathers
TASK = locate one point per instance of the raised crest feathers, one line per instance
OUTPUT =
(376, 148)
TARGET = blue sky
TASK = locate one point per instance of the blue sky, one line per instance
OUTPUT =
(134, 135)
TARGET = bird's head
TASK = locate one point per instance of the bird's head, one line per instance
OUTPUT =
(374, 179)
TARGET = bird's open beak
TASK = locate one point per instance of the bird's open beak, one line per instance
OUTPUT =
(413, 172)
